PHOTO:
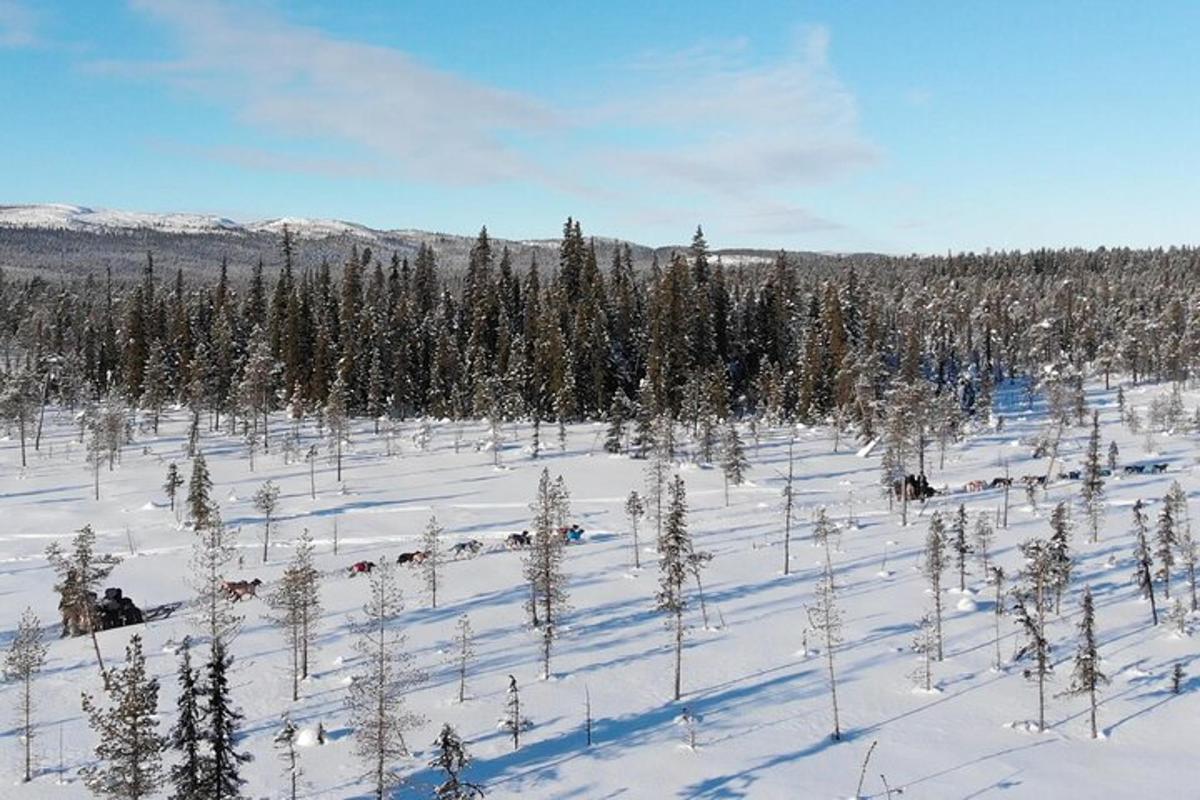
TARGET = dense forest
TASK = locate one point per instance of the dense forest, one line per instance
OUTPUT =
(826, 340)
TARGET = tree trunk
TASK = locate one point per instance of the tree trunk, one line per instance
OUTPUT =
(1092, 697)
(21, 427)
(37, 439)
(937, 615)
(637, 557)
(27, 708)
(837, 727)
(678, 653)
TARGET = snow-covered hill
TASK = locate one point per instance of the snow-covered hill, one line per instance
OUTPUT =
(761, 697)
(55, 216)
(81, 218)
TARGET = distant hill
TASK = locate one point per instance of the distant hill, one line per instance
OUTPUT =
(71, 241)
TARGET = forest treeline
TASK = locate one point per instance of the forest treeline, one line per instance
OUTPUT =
(690, 336)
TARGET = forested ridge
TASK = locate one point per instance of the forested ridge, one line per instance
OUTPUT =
(815, 339)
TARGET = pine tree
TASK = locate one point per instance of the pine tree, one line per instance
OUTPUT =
(674, 554)
(129, 751)
(1113, 453)
(378, 692)
(933, 565)
(451, 757)
(266, 500)
(431, 566)
(220, 767)
(24, 660)
(1144, 564)
(1093, 482)
(186, 735)
(1086, 676)
(635, 509)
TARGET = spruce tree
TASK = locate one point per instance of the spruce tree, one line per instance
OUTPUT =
(186, 735)
(220, 767)
(285, 742)
(674, 562)
(1030, 603)
(1166, 543)
(199, 500)
(172, 483)
(1093, 483)
(961, 545)
(1061, 562)
(1086, 676)
(933, 565)
(734, 463)
(1143, 563)
(514, 720)
(129, 748)
(635, 509)
(451, 757)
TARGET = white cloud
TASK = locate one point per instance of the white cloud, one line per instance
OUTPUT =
(298, 81)
(17, 25)
(746, 126)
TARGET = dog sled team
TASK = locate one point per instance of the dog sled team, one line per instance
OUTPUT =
(571, 534)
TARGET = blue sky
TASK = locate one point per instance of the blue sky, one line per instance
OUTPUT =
(897, 127)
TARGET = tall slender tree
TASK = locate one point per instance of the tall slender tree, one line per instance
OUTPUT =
(24, 660)
(1086, 677)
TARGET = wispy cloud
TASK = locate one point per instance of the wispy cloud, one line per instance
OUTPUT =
(17, 25)
(745, 126)
(299, 81)
(715, 129)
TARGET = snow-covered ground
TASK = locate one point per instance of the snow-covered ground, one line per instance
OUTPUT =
(762, 702)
